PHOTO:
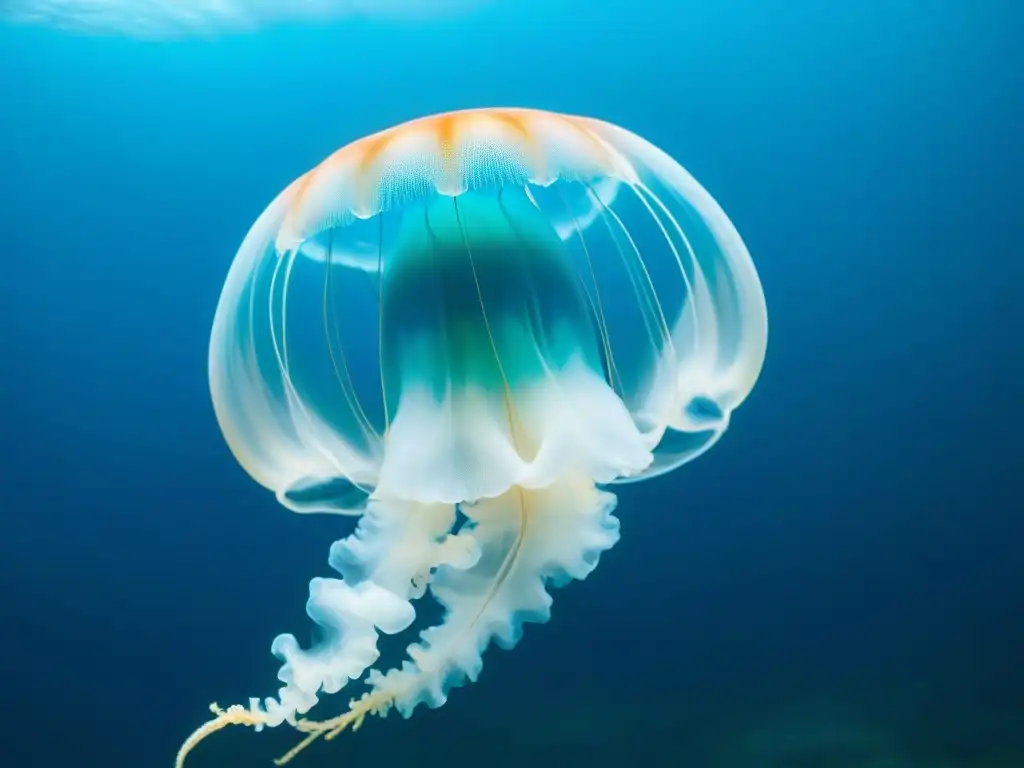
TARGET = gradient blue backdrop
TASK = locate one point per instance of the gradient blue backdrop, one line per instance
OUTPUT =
(852, 547)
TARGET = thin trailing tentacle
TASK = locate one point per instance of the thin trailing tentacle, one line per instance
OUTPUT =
(342, 373)
(602, 322)
(380, 324)
(236, 714)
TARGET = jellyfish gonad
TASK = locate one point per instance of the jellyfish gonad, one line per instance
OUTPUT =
(464, 330)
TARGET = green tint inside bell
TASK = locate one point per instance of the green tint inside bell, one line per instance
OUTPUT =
(477, 291)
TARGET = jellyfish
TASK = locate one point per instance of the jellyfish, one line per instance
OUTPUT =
(463, 332)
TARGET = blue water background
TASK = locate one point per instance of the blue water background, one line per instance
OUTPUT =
(847, 561)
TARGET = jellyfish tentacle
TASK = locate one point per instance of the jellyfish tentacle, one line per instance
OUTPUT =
(534, 313)
(598, 303)
(380, 322)
(720, 336)
(650, 295)
(394, 543)
(236, 714)
(723, 255)
(359, 709)
(317, 432)
(340, 367)
(279, 345)
(690, 307)
(250, 400)
(486, 322)
(704, 316)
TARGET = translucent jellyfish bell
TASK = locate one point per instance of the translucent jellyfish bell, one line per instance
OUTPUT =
(497, 312)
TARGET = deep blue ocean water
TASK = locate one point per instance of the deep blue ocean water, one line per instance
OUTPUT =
(839, 581)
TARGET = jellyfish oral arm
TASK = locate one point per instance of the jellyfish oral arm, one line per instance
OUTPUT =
(492, 577)
(528, 539)
(384, 565)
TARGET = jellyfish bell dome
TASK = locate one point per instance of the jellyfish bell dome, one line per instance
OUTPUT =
(354, 314)
(500, 312)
